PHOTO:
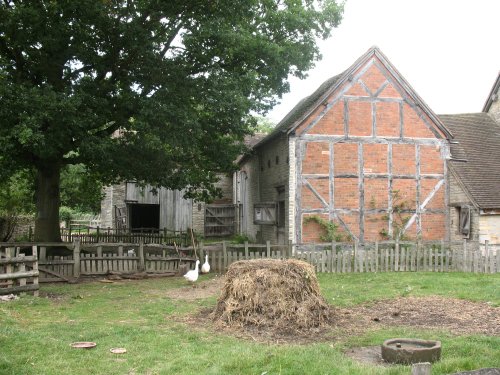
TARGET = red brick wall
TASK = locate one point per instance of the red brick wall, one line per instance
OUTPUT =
(403, 130)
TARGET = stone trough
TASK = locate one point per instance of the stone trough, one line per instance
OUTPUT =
(408, 351)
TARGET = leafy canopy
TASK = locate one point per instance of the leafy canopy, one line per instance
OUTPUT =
(148, 90)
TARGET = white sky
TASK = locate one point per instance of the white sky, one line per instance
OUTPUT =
(448, 50)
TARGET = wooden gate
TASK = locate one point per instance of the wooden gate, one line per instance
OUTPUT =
(219, 220)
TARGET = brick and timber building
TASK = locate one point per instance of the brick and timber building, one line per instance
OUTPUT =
(363, 151)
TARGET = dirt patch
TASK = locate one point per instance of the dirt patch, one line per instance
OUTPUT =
(460, 317)
(201, 290)
(457, 316)
(454, 315)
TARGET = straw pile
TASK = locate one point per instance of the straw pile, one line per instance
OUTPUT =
(267, 293)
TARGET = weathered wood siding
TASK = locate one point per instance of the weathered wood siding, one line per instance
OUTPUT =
(368, 152)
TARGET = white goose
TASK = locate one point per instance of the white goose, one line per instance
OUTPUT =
(193, 274)
(205, 268)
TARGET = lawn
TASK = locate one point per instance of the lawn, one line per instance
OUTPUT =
(35, 333)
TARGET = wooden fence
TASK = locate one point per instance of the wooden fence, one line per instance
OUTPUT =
(154, 259)
(18, 272)
(387, 256)
(96, 235)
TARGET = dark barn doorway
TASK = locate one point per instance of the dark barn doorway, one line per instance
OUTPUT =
(144, 217)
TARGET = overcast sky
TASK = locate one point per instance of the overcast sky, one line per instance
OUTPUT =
(448, 50)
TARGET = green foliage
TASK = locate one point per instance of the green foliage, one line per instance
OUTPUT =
(16, 193)
(263, 125)
(80, 190)
(329, 227)
(158, 92)
(399, 219)
(240, 239)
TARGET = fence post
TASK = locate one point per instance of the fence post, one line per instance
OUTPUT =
(142, 263)
(268, 249)
(224, 254)
(355, 255)
(289, 249)
(35, 268)
(464, 266)
(396, 255)
(246, 250)
(97, 234)
(76, 258)
(487, 257)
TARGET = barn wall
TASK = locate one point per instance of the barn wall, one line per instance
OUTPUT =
(372, 161)
(225, 183)
(249, 175)
(489, 228)
(175, 211)
(267, 172)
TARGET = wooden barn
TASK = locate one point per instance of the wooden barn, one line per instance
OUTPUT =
(363, 151)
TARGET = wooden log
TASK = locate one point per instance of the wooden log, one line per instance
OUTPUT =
(18, 275)
(15, 260)
(19, 289)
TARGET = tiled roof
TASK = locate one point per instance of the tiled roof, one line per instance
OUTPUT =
(478, 136)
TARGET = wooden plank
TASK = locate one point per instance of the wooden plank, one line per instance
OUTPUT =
(99, 262)
(396, 256)
(56, 274)
(376, 257)
(424, 258)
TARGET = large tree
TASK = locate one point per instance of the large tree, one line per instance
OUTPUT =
(156, 91)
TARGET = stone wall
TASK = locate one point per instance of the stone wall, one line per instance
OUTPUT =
(457, 198)
(113, 196)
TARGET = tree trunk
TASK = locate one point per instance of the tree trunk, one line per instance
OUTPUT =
(47, 204)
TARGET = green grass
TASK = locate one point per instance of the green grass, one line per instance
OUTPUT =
(35, 333)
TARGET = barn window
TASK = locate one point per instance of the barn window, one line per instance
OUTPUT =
(464, 213)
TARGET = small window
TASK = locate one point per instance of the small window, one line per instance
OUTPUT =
(264, 213)
(464, 213)
(277, 159)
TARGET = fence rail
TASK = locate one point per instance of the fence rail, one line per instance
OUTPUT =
(95, 235)
(387, 256)
(18, 272)
(84, 259)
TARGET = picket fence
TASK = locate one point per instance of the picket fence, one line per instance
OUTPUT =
(159, 259)
(387, 256)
